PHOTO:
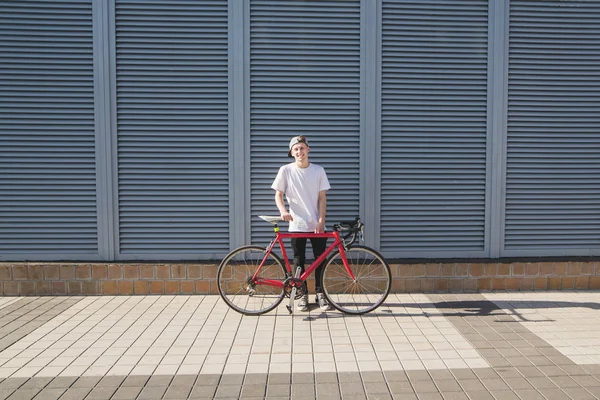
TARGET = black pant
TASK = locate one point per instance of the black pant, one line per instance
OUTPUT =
(319, 245)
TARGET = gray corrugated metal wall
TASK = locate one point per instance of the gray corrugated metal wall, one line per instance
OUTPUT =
(153, 130)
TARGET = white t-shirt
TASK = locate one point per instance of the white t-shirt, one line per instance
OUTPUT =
(301, 187)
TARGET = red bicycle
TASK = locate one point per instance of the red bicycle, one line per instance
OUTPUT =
(254, 280)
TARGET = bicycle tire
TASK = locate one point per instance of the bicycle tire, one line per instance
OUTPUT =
(371, 287)
(232, 280)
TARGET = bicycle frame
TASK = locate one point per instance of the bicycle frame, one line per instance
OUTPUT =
(338, 243)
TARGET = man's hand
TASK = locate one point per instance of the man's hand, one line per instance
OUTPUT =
(287, 216)
(320, 228)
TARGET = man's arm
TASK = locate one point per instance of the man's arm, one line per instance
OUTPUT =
(322, 211)
(285, 215)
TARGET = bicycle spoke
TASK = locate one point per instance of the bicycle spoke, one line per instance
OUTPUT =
(367, 291)
(234, 279)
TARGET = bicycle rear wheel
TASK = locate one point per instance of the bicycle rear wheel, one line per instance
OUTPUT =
(234, 280)
(365, 293)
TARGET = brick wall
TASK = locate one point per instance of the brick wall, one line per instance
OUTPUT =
(40, 279)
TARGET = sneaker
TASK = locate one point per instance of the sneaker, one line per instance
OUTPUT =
(303, 303)
(322, 301)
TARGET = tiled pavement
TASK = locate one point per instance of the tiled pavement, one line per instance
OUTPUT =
(543, 345)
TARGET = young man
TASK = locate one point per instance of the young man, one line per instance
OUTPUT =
(304, 185)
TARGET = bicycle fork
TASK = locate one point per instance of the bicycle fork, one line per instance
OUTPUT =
(290, 307)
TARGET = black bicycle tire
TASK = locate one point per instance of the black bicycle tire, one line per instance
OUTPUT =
(386, 268)
(225, 298)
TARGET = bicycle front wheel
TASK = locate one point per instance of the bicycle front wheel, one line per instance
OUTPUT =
(234, 280)
(369, 289)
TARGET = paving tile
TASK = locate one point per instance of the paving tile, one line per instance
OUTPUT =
(160, 380)
(86, 382)
(527, 394)
(127, 393)
(554, 394)
(350, 389)
(23, 394)
(135, 381)
(302, 389)
(111, 381)
(152, 393)
(75, 393)
(101, 393)
(203, 392)
(207, 379)
(228, 391)
(50, 394)
(278, 390)
(233, 379)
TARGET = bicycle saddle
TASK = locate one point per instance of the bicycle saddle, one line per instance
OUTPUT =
(272, 219)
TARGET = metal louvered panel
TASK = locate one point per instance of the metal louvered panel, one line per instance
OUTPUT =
(172, 114)
(305, 79)
(553, 155)
(434, 107)
(47, 143)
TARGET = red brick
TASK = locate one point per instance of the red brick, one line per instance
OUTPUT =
(461, 270)
(427, 285)
(67, 272)
(115, 272)
(546, 268)
(203, 287)
(560, 268)
(171, 287)
(455, 285)
(209, 271)
(484, 284)
(404, 270)
(587, 268)
(448, 269)
(498, 283)
(125, 287)
(27, 288)
(52, 273)
(11, 288)
(504, 269)
(470, 284)
(475, 269)
(147, 271)
(432, 270)
(526, 283)
(163, 272)
(59, 288)
(441, 285)
(568, 283)
(413, 285)
(540, 283)
(518, 269)
(187, 287)
(194, 272)
(178, 271)
(43, 288)
(594, 282)
(554, 283)
(35, 273)
(418, 270)
(83, 272)
(5, 272)
(532, 269)
(513, 283)
(74, 287)
(90, 287)
(157, 287)
(110, 288)
(490, 270)
(582, 282)
(398, 286)
(141, 287)
(573, 268)
(19, 272)
(99, 272)
(131, 272)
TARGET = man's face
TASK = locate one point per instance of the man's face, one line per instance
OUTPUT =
(300, 151)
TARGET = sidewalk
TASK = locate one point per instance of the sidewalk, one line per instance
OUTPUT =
(507, 345)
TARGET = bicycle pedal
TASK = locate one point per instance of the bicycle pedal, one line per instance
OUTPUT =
(289, 309)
